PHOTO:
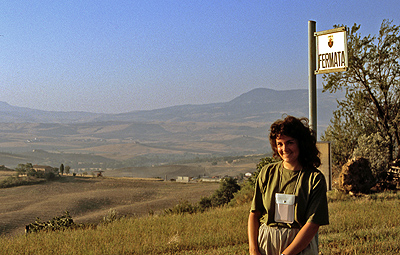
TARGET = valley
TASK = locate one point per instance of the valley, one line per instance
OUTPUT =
(183, 134)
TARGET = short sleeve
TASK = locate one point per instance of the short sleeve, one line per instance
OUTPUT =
(317, 211)
(257, 203)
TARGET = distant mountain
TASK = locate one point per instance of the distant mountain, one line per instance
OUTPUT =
(15, 114)
(259, 105)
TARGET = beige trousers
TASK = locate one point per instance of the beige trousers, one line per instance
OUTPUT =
(274, 240)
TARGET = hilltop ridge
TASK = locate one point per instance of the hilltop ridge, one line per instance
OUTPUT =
(261, 105)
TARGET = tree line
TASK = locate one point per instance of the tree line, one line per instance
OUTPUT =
(367, 121)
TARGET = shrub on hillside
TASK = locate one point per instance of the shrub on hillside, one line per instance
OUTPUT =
(221, 197)
(182, 208)
(50, 176)
(14, 181)
(243, 196)
(110, 217)
(205, 202)
(225, 193)
(57, 223)
(11, 181)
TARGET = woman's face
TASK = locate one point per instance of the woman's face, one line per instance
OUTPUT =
(288, 150)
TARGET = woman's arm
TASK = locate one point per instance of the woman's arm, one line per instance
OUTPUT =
(302, 239)
(252, 228)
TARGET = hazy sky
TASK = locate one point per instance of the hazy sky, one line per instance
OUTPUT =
(113, 56)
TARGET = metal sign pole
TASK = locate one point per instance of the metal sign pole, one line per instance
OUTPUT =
(312, 78)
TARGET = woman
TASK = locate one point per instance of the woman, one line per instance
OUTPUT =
(289, 201)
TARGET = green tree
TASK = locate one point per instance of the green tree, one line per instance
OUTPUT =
(62, 169)
(67, 169)
(25, 169)
(226, 191)
(375, 148)
(372, 86)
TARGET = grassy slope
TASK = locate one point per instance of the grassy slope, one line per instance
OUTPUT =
(354, 229)
(364, 225)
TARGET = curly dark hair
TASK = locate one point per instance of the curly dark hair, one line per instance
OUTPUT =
(299, 129)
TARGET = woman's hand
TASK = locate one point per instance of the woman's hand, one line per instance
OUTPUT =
(302, 239)
(255, 252)
(252, 228)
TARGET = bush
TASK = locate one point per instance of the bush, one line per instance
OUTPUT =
(225, 193)
(243, 196)
(182, 208)
(50, 176)
(14, 181)
(110, 217)
(57, 223)
(10, 182)
(205, 203)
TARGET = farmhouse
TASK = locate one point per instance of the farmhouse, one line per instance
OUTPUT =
(210, 179)
(183, 179)
(44, 169)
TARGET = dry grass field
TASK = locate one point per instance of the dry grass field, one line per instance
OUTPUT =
(354, 229)
(219, 168)
(5, 174)
(90, 199)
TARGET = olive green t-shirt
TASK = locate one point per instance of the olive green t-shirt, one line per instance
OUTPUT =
(311, 203)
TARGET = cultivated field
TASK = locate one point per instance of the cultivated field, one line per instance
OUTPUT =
(120, 144)
(90, 199)
(216, 168)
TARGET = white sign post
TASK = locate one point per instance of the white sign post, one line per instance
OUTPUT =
(327, 54)
(331, 50)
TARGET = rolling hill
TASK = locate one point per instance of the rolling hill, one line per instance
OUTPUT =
(87, 140)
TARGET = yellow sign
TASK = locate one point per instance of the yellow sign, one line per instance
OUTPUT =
(331, 50)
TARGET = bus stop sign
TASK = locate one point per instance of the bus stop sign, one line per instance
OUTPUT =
(331, 50)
